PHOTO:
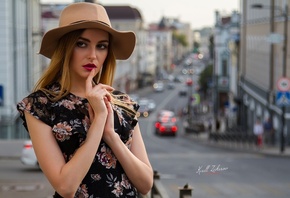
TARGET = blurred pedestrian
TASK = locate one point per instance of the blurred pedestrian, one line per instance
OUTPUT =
(269, 132)
(85, 134)
(259, 131)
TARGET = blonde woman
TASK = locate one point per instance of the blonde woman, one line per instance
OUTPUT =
(84, 133)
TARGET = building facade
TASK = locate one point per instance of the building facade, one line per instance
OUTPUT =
(19, 64)
(264, 59)
(225, 67)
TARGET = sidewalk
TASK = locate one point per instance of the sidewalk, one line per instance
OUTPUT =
(273, 151)
(11, 148)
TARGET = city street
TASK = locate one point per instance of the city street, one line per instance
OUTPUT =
(210, 170)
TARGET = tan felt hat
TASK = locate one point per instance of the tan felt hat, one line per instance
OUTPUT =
(88, 15)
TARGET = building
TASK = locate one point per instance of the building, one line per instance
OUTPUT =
(19, 64)
(226, 38)
(264, 60)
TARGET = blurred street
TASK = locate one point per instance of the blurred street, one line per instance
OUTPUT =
(212, 169)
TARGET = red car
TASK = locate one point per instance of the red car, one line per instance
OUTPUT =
(166, 123)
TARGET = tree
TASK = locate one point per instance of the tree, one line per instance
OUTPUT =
(205, 77)
(180, 38)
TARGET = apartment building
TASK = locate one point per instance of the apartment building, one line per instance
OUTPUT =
(264, 59)
(20, 67)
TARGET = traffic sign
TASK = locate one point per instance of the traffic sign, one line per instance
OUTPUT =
(283, 84)
(195, 99)
(282, 98)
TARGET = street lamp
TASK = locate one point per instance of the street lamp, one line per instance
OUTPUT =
(285, 16)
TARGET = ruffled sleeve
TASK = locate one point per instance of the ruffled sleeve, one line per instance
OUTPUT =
(125, 112)
(38, 105)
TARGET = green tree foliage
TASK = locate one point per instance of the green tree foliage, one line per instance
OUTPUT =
(205, 77)
(180, 38)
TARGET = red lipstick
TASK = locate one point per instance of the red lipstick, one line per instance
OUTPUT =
(90, 66)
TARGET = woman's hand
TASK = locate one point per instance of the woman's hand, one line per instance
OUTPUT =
(109, 131)
(97, 94)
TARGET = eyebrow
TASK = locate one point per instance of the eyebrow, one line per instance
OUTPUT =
(101, 41)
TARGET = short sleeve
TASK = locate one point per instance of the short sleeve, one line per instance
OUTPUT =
(38, 105)
(129, 106)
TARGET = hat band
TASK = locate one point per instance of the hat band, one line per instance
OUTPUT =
(90, 21)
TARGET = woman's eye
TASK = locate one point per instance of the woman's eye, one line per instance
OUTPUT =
(102, 46)
(81, 44)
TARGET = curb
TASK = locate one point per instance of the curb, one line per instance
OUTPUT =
(229, 145)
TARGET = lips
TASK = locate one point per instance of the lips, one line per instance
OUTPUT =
(90, 67)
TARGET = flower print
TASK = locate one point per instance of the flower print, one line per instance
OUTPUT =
(118, 189)
(67, 104)
(86, 123)
(75, 123)
(62, 131)
(119, 112)
(125, 182)
(107, 158)
(76, 100)
(82, 192)
(96, 177)
(111, 180)
(42, 100)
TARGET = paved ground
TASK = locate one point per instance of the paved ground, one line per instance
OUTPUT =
(250, 148)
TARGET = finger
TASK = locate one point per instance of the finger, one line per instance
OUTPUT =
(90, 80)
(107, 87)
(108, 104)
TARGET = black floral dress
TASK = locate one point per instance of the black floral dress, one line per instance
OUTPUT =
(69, 120)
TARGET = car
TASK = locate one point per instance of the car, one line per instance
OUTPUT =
(28, 156)
(158, 86)
(170, 85)
(183, 91)
(149, 102)
(143, 110)
(166, 123)
(151, 105)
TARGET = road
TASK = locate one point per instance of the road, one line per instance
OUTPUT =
(17, 180)
(211, 171)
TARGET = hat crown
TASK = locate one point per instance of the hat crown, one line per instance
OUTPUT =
(80, 12)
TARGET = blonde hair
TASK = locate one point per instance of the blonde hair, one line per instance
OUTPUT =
(58, 71)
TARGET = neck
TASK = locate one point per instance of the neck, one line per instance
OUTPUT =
(78, 88)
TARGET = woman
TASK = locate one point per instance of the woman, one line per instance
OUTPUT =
(84, 133)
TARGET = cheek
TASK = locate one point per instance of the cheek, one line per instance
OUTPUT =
(103, 56)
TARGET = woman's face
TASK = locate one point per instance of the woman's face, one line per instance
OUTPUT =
(89, 53)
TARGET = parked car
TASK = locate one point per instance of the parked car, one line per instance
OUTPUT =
(143, 110)
(158, 86)
(166, 123)
(170, 85)
(183, 91)
(151, 105)
(28, 156)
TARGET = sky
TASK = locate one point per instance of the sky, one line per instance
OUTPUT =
(199, 13)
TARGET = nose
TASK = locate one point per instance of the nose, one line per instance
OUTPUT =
(92, 54)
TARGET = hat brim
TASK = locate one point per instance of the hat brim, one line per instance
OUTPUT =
(123, 43)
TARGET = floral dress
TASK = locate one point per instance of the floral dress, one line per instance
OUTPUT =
(69, 120)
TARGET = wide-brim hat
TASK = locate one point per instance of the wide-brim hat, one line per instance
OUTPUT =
(88, 15)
